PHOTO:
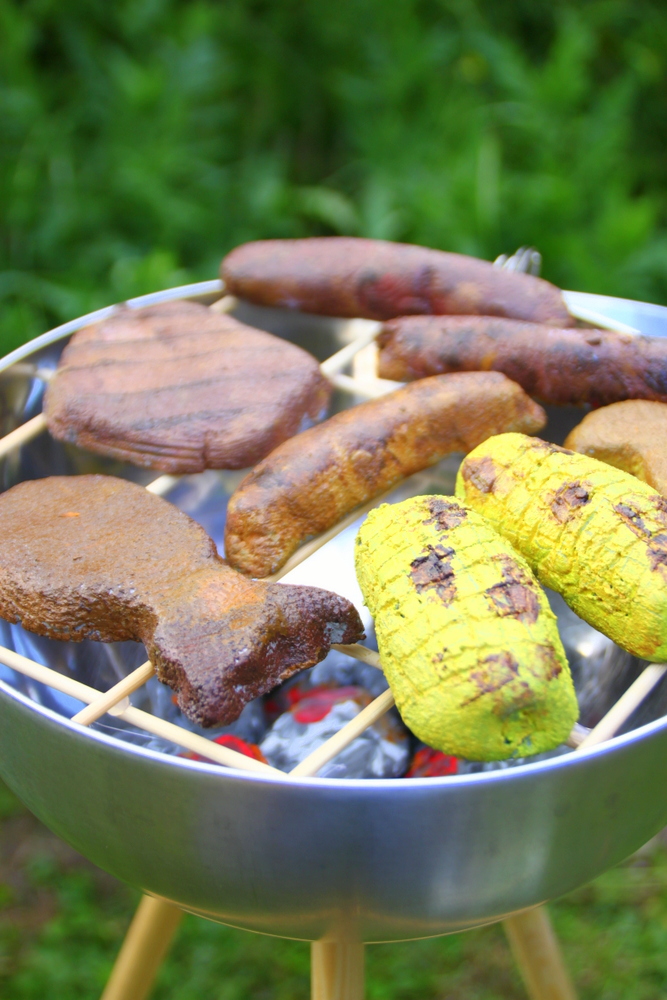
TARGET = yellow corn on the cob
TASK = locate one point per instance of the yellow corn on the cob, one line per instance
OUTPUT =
(468, 642)
(595, 534)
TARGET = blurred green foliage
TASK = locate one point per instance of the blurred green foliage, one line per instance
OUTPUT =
(141, 140)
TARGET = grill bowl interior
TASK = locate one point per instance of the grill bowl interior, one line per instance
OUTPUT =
(391, 859)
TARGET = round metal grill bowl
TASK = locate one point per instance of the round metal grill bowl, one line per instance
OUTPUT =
(392, 859)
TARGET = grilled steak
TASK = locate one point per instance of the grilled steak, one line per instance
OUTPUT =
(178, 388)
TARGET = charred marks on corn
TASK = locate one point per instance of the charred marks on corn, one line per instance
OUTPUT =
(481, 473)
(445, 514)
(433, 571)
(537, 444)
(515, 596)
(656, 542)
(493, 674)
(567, 501)
(549, 666)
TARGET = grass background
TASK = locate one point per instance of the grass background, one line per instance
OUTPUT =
(141, 140)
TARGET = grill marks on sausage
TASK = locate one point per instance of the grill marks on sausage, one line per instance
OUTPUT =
(516, 595)
(433, 571)
(568, 500)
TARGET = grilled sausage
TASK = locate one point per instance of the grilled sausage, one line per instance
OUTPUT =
(554, 365)
(100, 558)
(346, 276)
(310, 482)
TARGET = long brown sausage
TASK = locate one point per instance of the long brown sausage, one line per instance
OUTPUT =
(346, 276)
(309, 483)
(553, 365)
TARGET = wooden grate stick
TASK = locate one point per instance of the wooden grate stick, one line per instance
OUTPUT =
(162, 484)
(311, 764)
(226, 304)
(365, 330)
(308, 767)
(115, 695)
(625, 706)
(134, 716)
(191, 741)
(26, 432)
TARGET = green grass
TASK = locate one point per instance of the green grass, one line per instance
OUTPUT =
(140, 140)
(62, 921)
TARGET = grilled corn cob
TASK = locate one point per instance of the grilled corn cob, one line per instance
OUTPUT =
(468, 642)
(594, 533)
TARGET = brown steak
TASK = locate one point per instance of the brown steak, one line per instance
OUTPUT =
(178, 388)
(556, 366)
(308, 484)
(95, 557)
(347, 276)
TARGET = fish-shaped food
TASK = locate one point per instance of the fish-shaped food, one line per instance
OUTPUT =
(96, 557)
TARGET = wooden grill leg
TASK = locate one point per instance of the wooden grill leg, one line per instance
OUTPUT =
(337, 970)
(146, 944)
(538, 955)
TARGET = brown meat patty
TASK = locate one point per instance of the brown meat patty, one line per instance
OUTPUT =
(177, 388)
(630, 435)
(95, 557)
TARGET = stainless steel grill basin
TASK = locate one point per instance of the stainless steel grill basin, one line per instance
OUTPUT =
(393, 859)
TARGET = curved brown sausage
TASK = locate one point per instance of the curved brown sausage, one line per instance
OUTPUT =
(554, 365)
(310, 482)
(347, 276)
